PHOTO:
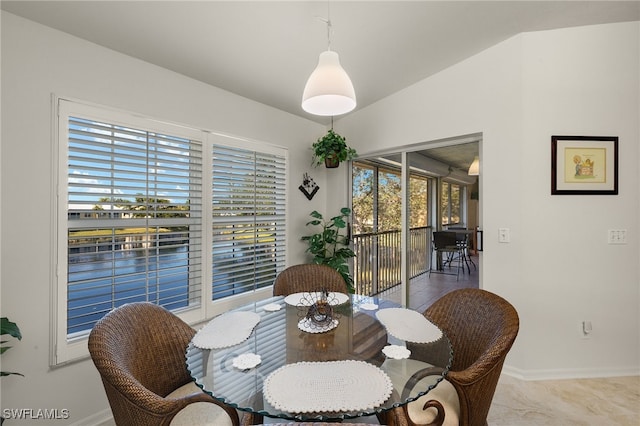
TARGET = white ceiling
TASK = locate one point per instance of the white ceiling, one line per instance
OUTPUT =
(265, 50)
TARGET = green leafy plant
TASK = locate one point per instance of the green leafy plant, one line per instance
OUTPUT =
(9, 328)
(332, 149)
(329, 246)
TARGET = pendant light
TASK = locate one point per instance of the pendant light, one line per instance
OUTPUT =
(329, 90)
(474, 168)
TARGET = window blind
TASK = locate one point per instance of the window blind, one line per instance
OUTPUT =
(151, 211)
(134, 220)
(248, 219)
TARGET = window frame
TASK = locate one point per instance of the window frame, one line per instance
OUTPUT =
(462, 201)
(64, 350)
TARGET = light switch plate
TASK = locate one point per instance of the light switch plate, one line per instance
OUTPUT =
(504, 235)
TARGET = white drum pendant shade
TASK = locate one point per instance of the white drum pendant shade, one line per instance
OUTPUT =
(329, 90)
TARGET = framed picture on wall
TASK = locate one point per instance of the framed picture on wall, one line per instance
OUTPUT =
(584, 165)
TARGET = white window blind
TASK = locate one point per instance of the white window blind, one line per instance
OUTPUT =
(151, 211)
(134, 220)
(248, 212)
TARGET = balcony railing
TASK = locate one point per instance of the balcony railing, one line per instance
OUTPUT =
(378, 261)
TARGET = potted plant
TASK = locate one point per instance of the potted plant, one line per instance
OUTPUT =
(329, 246)
(10, 328)
(332, 149)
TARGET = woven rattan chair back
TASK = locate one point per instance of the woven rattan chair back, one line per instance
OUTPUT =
(310, 277)
(139, 351)
(482, 327)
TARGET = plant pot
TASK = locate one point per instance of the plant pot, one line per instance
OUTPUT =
(331, 162)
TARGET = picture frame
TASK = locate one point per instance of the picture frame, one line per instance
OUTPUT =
(584, 165)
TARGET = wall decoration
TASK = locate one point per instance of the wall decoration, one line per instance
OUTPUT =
(308, 187)
(584, 165)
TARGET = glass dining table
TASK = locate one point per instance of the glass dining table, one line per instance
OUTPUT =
(290, 358)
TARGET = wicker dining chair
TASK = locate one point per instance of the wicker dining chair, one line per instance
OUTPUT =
(139, 351)
(308, 277)
(319, 424)
(481, 327)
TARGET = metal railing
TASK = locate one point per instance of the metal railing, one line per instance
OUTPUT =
(378, 261)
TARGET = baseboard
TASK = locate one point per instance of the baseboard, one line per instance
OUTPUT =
(573, 373)
(102, 418)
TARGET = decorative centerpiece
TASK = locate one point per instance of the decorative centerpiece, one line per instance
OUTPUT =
(316, 312)
(321, 313)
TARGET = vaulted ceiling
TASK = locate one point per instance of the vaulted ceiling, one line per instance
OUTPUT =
(265, 50)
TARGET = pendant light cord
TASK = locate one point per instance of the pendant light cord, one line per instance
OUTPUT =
(329, 38)
(328, 26)
(327, 22)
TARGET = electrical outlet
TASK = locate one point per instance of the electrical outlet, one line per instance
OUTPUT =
(617, 236)
(586, 329)
(504, 235)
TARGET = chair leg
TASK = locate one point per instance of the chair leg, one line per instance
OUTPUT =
(475, 268)
(448, 261)
(466, 260)
(445, 259)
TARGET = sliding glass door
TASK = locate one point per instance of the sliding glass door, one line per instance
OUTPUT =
(392, 238)
(377, 213)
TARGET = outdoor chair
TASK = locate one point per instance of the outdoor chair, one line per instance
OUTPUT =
(462, 240)
(139, 350)
(308, 277)
(447, 251)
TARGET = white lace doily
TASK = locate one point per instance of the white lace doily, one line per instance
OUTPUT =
(334, 386)
(272, 307)
(396, 352)
(408, 325)
(246, 361)
(226, 330)
(309, 298)
(369, 306)
(307, 325)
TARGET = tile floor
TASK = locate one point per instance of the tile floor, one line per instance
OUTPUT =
(607, 401)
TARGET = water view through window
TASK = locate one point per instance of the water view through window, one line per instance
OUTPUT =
(125, 272)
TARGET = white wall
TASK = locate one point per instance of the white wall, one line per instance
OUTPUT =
(558, 269)
(581, 81)
(38, 62)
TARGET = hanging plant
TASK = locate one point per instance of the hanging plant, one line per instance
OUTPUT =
(332, 149)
